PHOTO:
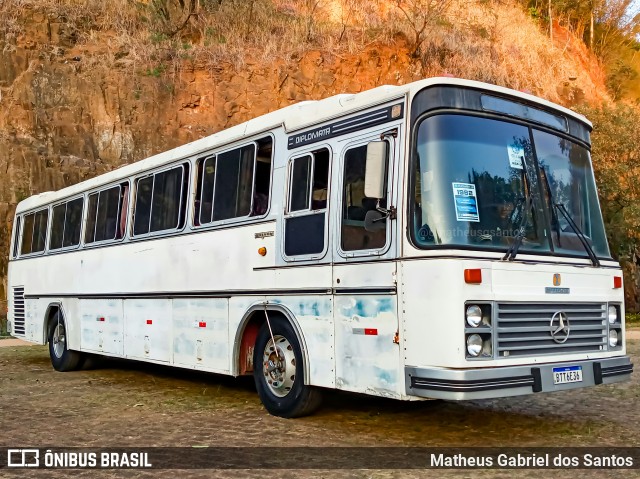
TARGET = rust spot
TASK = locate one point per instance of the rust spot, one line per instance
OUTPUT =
(246, 347)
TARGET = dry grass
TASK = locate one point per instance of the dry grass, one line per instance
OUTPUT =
(490, 40)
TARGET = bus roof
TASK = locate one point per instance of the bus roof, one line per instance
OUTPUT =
(291, 118)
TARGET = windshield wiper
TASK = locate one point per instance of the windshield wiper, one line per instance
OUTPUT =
(524, 220)
(581, 236)
(576, 229)
(515, 246)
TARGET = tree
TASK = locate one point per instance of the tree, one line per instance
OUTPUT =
(421, 16)
(616, 162)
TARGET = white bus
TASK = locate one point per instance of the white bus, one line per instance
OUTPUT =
(441, 239)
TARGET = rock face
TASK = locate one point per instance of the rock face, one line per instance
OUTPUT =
(64, 119)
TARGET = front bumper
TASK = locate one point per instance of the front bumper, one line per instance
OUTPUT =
(461, 384)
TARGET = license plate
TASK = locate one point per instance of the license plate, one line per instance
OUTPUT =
(569, 374)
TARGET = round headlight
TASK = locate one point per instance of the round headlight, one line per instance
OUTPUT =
(613, 314)
(613, 338)
(474, 316)
(474, 345)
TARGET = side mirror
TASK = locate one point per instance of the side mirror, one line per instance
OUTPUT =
(375, 173)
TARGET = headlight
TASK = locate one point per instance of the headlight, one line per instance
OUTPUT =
(613, 338)
(613, 314)
(474, 316)
(474, 345)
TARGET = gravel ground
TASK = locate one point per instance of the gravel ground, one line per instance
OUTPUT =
(130, 404)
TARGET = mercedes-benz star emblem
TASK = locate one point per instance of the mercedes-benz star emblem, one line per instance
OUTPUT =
(559, 327)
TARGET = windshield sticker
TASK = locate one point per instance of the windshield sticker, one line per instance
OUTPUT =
(516, 153)
(464, 196)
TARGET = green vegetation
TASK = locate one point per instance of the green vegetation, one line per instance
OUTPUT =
(610, 29)
(156, 71)
(632, 319)
(616, 161)
(3, 326)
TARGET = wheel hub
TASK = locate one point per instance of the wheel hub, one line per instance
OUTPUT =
(58, 340)
(279, 366)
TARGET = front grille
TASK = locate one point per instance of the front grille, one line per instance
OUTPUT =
(18, 312)
(524, 329)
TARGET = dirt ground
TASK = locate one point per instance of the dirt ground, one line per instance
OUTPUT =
(130, 404)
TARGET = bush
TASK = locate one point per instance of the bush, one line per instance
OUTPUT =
(616, 162)
(3, 325)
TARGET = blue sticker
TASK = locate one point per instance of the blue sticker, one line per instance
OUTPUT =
(464, 197)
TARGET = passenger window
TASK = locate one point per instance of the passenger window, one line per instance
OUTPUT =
(16, 237)
(308, 178)
(305, 225)
(65, 224)
(106, 213)
(234, 184)
(300, 179)
(34, 232)
(161, 201)
(262, 180)
(355, 205)
(144, 190)
(57, 226)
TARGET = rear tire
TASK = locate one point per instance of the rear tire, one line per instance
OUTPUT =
(62, 358)
(279, 372)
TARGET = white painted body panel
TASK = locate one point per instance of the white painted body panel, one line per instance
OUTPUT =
(201, 334)
(102, 323)
(434, 295)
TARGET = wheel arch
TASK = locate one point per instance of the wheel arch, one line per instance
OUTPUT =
(50, 312)
(247, 332)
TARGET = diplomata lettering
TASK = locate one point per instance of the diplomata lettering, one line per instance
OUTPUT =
(312, 135)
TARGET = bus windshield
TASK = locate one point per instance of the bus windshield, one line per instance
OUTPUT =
(480, 182)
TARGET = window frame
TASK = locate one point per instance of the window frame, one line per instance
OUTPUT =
(308, 209)
(46, 208)
(287, 214)
(17, 236)
(369, 252)
(202, 159)
(94, 244)
(66, 202)
(184, 165)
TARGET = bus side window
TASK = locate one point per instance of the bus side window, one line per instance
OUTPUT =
(16, 237)
(124, 208)
(355, 205)
(34, 232)
(27, 233)
(107, 214)
(206, 174)
(161, 201)
(305, 223)
(233, 189)
(262, 181)
(234, 184)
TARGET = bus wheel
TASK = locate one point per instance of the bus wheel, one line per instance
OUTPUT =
(279, 371)
(62, 358)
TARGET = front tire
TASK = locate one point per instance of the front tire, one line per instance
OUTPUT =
(62, 358)
(279, 372)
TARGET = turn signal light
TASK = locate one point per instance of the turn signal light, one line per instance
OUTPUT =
(473, 276)
(617, 282)
(262, 251)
